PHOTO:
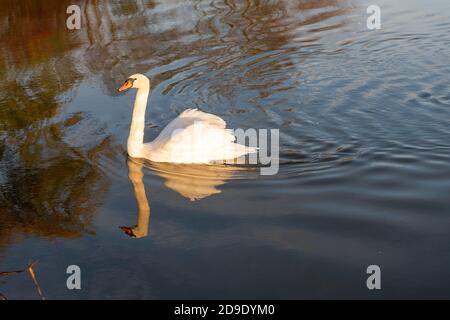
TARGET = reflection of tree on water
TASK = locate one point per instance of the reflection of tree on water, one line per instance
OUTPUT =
(54, 199)
(35, 33)
(46, 185)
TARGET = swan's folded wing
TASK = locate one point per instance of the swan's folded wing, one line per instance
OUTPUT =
(186, 119)
(196, 137)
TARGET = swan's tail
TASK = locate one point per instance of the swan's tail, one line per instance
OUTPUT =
(241, 150)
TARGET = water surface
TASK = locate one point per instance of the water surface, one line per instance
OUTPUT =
(364, 149)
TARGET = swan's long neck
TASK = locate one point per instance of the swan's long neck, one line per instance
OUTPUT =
(136, 137)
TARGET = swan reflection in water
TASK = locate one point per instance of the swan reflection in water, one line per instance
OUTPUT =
(194, 182)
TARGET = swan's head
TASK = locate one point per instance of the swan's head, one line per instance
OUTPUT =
(135, 81)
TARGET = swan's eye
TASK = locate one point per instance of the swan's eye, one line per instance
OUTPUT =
(127, 85)
(131, 81)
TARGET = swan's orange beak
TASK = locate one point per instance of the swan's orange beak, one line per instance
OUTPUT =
(127, 85)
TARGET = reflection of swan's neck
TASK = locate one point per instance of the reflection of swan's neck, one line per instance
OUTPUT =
(136, 175)
(141, 230)
(136, 137)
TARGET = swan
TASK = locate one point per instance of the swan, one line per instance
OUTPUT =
(194, 137)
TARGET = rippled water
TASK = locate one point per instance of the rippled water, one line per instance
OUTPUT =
(364, 149)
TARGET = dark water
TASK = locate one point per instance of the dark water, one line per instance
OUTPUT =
(364, 148)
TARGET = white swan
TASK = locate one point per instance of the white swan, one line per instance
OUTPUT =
(193, 137)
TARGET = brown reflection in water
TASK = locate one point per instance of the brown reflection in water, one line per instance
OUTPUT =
(46, 185)
(33, 32)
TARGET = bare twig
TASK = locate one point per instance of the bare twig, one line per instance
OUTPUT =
(10, 273)
(36, 283)
(30, 270)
